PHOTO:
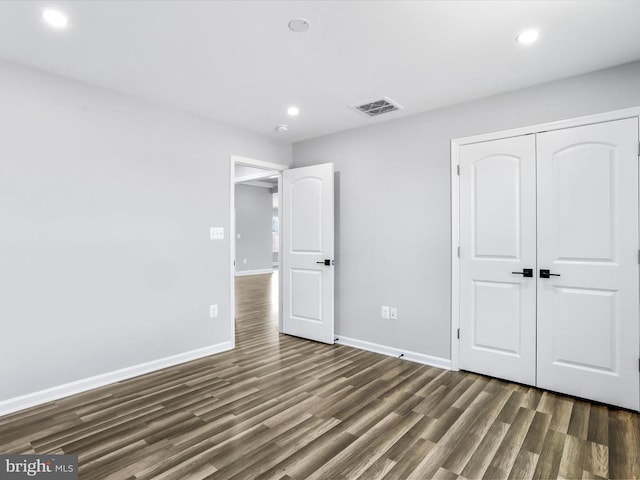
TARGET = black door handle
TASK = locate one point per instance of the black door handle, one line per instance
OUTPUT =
(526, 272)
(546, 274)
(326, 261)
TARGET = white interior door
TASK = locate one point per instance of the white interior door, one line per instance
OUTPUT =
(307, 252)
(498, 239)
(588, 323)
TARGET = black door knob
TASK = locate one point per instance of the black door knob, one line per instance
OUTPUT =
(547, 274)
(526, 272)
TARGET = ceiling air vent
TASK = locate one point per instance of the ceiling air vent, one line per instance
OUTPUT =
(377, 107)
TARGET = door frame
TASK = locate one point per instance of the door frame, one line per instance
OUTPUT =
(249, 162)
(456, 143)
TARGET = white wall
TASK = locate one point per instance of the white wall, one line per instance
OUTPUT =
(393, 200)
(105, 208)
(254, 212)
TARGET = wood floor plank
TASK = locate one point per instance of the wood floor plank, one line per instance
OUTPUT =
(378, 469)
(507, 453)
(408, 462)
(481, 458)
(598, 425)
(484, 409)
(280, 407)
(624, 444)
(579, 421)
(551, 455)
(312, 456)
(123, 463)
(534, 441)
(407, 441)
(596, 459)
(253, 462)
(460, 456)
(357, 457)
(524, 465)
(572, 458)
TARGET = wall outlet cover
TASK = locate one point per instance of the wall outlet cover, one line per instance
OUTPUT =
(393, 313)
(217, 233)
(213, 311)
(384, 312)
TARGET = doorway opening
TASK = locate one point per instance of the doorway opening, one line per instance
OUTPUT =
(255, 242)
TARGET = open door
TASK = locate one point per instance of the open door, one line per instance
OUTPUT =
(307, 252)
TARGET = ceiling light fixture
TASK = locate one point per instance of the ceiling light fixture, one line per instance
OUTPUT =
(282, 128)
(299, 25)
(527, 37)
(293, 111)
(55, 18)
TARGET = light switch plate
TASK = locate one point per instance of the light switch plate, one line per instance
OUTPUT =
(217, 233)
(393, 311)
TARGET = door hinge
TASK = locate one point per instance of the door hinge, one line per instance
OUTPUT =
(458, 169)
(459, 252)
(458, 334)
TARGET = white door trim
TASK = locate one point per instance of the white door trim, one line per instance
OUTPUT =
(456, 143)
(250, 162)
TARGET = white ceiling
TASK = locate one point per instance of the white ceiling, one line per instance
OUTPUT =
(237, 62)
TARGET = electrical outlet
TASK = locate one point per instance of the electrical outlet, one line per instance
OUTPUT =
(244, 261)
(213, 311)
(393, 313)
(384, 312)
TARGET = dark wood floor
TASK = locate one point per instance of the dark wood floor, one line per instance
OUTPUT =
(283, 408)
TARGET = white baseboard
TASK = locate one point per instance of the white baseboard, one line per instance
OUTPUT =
(263, 271)
(54, 393)
(438, 362)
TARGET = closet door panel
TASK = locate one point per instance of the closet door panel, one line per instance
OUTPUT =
(588, 315)
(497, 238)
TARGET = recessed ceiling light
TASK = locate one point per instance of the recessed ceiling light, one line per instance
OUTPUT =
(299, 25)
(527, 37)
(293, 111)
(55, 18)
(282, 128)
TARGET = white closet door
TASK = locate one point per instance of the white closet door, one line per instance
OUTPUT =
(498, 238)
(588, 320)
